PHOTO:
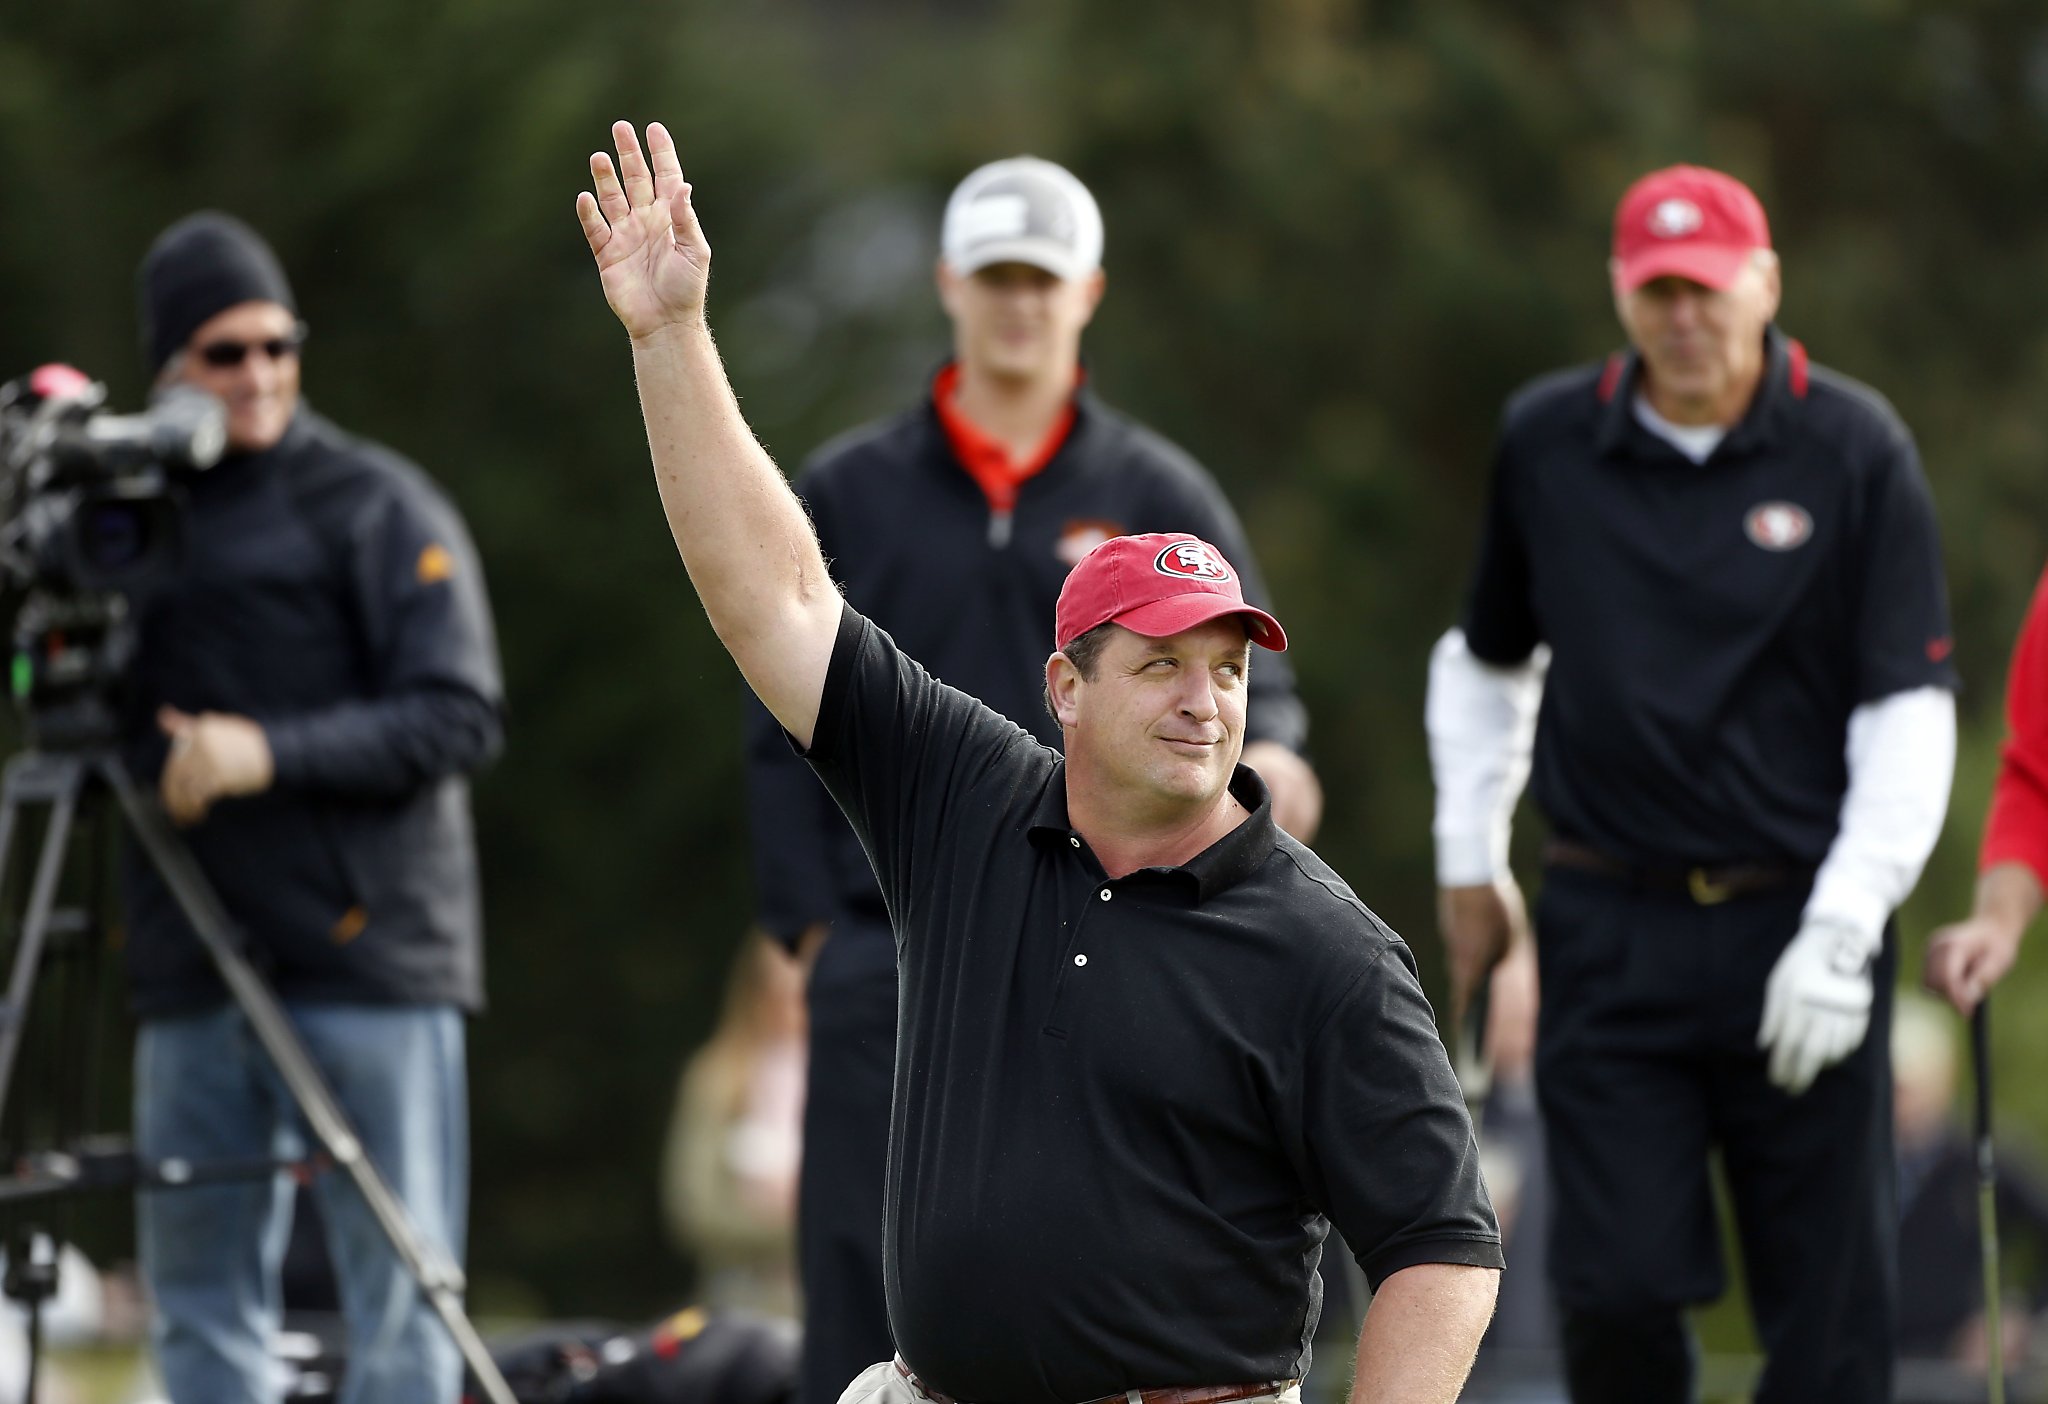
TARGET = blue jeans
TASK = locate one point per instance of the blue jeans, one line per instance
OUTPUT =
(204, 1090)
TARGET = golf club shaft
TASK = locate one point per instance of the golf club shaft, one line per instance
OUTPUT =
(1987, 1203)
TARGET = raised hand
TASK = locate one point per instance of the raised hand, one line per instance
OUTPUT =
(651, 254)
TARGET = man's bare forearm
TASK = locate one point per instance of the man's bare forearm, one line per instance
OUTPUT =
(1422, 1332)
(742, 533)
(2009, 894)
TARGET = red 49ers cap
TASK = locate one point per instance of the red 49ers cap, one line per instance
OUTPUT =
(1156, 585)
(1686, 222)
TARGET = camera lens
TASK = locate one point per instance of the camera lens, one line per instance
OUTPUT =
(114, 536)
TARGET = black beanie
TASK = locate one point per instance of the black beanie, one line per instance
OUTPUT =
(200, 267)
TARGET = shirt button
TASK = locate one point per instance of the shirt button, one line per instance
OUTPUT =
(1074, 841)
(1105, 894)
(1080, 960)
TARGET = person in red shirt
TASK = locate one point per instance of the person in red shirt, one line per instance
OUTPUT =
(1965, 959)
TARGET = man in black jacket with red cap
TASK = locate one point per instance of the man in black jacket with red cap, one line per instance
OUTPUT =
(310, 691)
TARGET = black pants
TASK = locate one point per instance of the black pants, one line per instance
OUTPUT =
(846, 1146)
(1646, 1062)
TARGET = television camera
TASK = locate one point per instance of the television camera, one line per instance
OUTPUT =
(91, 510)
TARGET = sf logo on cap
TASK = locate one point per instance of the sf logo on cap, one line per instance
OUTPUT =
(1674, 218)
(1191, 560)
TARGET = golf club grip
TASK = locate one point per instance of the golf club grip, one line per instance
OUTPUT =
(1980, 1056)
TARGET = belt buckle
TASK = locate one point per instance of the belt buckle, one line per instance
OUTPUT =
(1705, 891)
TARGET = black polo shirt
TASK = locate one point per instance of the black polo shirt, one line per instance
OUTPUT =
(1712, 625)
(1126, 1110)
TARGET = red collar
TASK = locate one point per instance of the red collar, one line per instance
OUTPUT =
(987, 459)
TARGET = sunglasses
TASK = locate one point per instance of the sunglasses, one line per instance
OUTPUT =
(225, 355)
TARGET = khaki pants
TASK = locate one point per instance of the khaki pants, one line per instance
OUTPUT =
(881, 1384)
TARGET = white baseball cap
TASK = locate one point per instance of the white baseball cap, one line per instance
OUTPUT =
(1023, 210)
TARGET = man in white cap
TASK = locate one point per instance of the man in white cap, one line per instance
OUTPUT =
(953, 525)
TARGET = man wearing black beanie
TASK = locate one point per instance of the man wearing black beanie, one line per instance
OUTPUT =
(203, 264)
(310, 693)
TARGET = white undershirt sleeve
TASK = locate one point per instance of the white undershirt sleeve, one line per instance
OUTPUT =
(1481, 722)
(1902, 756)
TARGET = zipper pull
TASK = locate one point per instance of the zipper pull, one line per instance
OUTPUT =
(999, 529)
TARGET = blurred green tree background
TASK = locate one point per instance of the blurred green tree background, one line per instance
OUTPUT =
(1340, 232)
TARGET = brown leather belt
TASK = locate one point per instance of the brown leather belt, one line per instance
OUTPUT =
(1203, 1394)
(1708, 886)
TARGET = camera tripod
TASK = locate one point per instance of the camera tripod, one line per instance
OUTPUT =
(73, 785)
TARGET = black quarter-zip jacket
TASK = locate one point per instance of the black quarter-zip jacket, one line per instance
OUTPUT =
(331, 593)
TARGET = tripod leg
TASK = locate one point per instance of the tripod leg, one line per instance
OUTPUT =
(440, 1280)
(35, 923)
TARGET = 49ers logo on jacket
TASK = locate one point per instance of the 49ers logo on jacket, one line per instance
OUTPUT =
(1778, 526)
(1080, 537)
(1191, 560)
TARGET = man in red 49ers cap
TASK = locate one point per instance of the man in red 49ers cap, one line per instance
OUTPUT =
(1150, 589)
(1157, 584)
(1727, 560)
(952, 524)
(1151, 1048)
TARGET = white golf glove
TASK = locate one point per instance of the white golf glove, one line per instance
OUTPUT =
(1816, 1003)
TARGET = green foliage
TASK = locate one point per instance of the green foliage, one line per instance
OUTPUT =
(1339, 235)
